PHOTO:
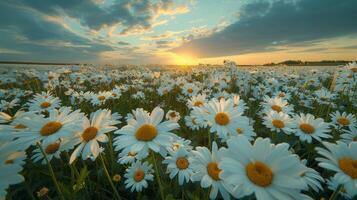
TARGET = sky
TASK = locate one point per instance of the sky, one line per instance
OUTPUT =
(182, 32)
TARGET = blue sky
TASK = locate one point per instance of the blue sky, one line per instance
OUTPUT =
(177, 32)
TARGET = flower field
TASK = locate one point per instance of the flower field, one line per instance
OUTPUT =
(178, 133)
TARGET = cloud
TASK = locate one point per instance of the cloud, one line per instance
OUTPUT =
(129, 14)
(349, 47)
(30, 32)
(263, 25)
(123, 43)
(66, 30)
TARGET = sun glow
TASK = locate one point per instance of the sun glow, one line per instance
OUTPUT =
(183, 60)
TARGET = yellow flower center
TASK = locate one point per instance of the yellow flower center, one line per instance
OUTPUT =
(281, 94)
(89, 133)
(20, 126)
(52, 148)
(307, 128)
(276, 108)
(198, 104)
(213, 171)
(139, 175)
(172, 114)
(349, 167)
(343, 121)
(45, 104)
(101, 98)
(222, 118)
(116, 178)
(189, 90)
(132, 153)
(50, 128)
(239, 130)
(194, 121)
(259, 173)
(354, 69)
(9, 162)
(278, 123)
(146, 132)
(355, 139)
(182, 163)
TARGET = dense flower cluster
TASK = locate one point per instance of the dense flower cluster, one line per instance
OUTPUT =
(268, 133)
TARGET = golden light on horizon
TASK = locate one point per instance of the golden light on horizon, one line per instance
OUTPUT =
(183, 60)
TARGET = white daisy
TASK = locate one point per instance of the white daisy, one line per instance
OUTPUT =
(93, 131)
(10, 165)
(138, 175)
(221, 117)
(342, 159)
(52, 150)
(197, 101)
(146, 132)
(60, 123)
(279, 122)
(179, 163)
(267, 170)
(173, 116)
(131, 156)
(277, 104)
(244, 127)
(349, 136)
(343, 120)
(44, 102)
(307, 127)
(206, 169)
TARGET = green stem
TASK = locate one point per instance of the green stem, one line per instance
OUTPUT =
(52, 173)
(158, 176)
(109, 178)
(209, 140)
(335, 193)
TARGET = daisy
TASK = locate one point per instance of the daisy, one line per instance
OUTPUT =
(343, 120)
(333, 184)
(349, 135)
(131, 156)
(52, 150)
(44, 102)
(146, 132)
(206, 169)
(307, 127)
(342, 159)
(93, 131)
(60, 123)
(269, 171)
(279, 122)
(10, 166)
(173, 116)
(178, 163)
(100, 98)
(177, 143)
(239, 103)
(6, 118)
(312, 178)
(4, 105)
(221, 117)
(190, 89)
(196, 101)
(277, 104)
(324, 96)
(138, 175)
(192, 122)
(244, 127)
(281, 94)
